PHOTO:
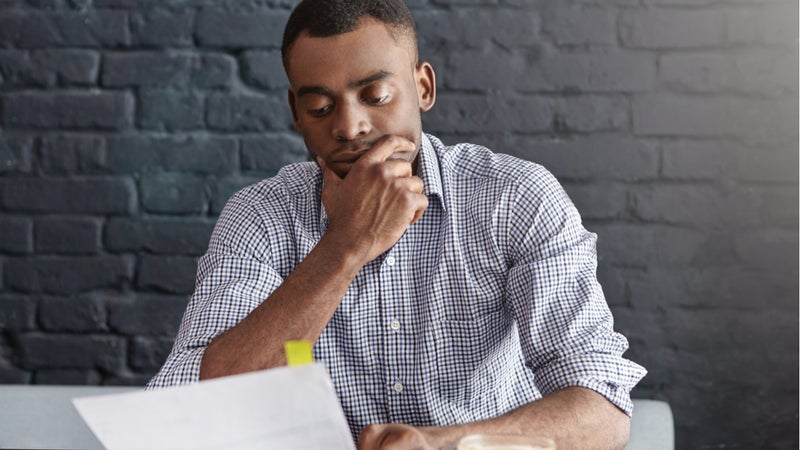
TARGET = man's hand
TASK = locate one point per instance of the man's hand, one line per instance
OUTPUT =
(372, 206)
(393, 436)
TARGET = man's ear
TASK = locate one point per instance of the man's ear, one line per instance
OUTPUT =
(293, 107)
(426, 86)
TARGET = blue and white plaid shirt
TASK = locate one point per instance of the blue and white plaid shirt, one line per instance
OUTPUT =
(488, 302)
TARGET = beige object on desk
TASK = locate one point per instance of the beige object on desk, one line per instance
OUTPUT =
(42, 417)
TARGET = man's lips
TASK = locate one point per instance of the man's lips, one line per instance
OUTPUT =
(349, 157)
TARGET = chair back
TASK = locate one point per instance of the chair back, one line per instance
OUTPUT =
(42, 417)
(652, 426)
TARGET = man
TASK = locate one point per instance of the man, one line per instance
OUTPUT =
(449, 290)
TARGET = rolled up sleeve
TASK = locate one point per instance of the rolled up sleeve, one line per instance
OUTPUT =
(233, 278)
(566, 328)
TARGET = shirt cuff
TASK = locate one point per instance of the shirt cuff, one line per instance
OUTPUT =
(184, 369)
(612, 377)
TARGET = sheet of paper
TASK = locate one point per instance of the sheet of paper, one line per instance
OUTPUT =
(283, 408)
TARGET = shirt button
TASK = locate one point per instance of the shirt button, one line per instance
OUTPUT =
(398, 387)
(395, 325)
(390, 260)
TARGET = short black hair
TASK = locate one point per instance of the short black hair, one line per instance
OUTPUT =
(324, 18)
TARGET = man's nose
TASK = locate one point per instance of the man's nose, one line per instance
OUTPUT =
(351, 121)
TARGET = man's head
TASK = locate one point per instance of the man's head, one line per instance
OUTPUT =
(354, 77)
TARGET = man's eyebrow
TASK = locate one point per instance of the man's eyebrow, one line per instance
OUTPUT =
(305, 90)
(321, 90)
(371, 79)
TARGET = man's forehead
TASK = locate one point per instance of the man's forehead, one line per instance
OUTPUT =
(368, 49)
(369, 32)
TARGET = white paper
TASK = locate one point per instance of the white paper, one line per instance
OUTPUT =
(284, 408)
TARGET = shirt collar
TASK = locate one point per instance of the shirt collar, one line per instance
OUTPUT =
(428, 169)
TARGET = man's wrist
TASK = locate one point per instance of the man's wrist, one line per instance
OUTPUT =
(349, 254)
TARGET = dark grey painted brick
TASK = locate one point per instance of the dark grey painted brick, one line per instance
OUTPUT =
(612, 280)
(599, 200)
(774, 163)
(128, 379)
(170, 274)
(214, 71)
(17, 313)
(761, 72)
(464, 113)
(697, 160)
(220, 28)
(588, 158)
(66, 351)
(580, 24)
(599, 71)
(82, 314)
(150, 315)
(161, 28)
(16, 70)
(168, 68)
(161, 236)
(48, 68)
(12, 375)
(15, 154)
(264, 68)
(714, 208)
(225, 188)
(198, 154)
(769, 23)
(68, 195)
(66, 275)
(465, 28)
(70, 235)
(170, 110)
(71, 154)
(477, 70)
(246, 113)
(149, 353)
(16, 235)
(176, 194)
(146, 69)
(270, 152)
(685, 115)
(637, 245)
(68, 377)
(66, 67)
(673, 28)
(591, 113)
(769, 247)
(50, 110)
(93, 28)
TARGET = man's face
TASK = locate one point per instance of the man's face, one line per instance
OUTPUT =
(349, 90)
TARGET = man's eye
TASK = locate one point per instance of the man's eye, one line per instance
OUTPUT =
(377, 100)
(319, 112)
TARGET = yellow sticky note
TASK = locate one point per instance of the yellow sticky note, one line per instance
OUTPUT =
(298, 353)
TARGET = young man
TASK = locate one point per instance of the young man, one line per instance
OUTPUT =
(449, 290)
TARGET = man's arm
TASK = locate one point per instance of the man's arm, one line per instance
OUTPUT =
(368, 212)
(574, 417)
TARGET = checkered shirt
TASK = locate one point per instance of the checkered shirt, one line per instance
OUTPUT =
(488, 302)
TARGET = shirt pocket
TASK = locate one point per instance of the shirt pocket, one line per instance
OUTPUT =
(464, 355)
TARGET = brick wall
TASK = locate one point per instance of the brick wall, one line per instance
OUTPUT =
(673, 124)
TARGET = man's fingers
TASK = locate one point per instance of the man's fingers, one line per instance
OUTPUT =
(398, 168)
(418, 200)
(413, 184)
(423, 205)
(386, 146)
